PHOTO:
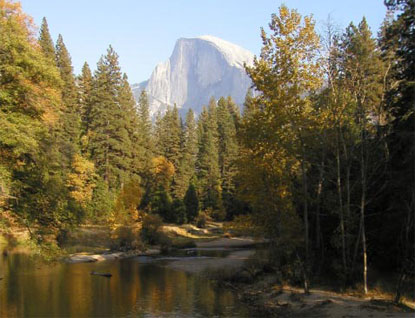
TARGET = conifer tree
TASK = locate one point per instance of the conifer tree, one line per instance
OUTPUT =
(188, 156)
(228, 149)
(168, 136)
(85, 91)
(399, 38)
(71, 120)
(361, 70)
(46, 42)
(109, 143)
(192, 203)
(208, 159)
(145, 126)
(134, 141)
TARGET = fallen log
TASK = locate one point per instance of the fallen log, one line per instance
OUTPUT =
(109, 275)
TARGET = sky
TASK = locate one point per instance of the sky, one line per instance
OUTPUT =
(143, 33)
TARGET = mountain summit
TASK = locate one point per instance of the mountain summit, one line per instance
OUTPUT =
(198, 69)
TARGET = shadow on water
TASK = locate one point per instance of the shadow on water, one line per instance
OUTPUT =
(136, 289)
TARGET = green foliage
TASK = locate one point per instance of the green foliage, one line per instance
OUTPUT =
(45, 41)
(161, 204)
(151, 228)
(102, 203)
(201, 220)
(70, 131)
(191, 203)
(178, 210)
(112, 116)
(207, 164)
(145, 129)
(85, 81)
(186, 169)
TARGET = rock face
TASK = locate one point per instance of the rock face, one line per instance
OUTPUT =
(198, 69)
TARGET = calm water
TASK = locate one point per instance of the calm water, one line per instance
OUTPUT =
(139, 287)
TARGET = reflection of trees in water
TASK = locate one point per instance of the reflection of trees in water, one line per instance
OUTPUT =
(31, 288)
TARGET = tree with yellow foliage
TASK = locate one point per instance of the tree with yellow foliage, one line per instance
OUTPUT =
(285, 75)
(81, 180)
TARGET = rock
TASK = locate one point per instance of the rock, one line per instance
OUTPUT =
(198, 69)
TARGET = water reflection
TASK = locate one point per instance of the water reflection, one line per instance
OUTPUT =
(138, 288)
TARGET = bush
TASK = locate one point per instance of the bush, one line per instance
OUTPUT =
(125, 239)
(165, 243)
(218, 215)
(201, 220)
(150, 230)
(62, 236)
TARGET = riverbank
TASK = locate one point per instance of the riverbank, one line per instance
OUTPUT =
(265, 295)
(285, 301)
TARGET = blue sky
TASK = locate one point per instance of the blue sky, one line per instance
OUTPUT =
(143, 33)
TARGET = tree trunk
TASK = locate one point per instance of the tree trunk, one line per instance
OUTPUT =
(319, 192)
(339, 193)
(347, 205)
(306, 230)
(399, 287)
(363, 163)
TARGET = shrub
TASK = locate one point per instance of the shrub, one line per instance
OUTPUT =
(218, 215)
(165, 243)
(150, 231)
(124, 239)
(201, 220)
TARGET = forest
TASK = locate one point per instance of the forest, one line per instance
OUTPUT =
(320, 159)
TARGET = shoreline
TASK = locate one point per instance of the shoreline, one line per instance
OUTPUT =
(215, 244)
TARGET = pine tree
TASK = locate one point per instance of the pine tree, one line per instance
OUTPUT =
(361, 70)
(399, 38)
(228, 150)
(168, 136)
(208, 159)
(109, 144)
(46, 42)
(134, 141)
(85, 90)
(145, 127)
(188, 158)
(71, 119)
(192, 203)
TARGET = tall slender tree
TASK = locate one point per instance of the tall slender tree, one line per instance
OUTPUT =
(187, 163)
(46, 42)
(287, 72)
(71, 119)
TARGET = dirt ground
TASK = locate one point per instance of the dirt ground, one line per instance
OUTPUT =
(285, 301)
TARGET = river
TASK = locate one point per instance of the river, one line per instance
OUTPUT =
(139, 287)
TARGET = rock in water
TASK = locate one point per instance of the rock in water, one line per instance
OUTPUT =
(198, 69)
